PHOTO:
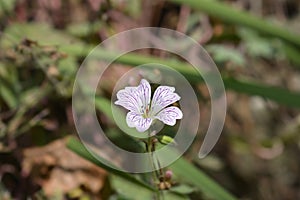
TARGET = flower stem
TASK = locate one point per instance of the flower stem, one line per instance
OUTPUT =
(150, 147)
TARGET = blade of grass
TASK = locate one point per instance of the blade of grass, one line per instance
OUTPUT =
(135, 192)
(77, 147)
(187, 172)
(121, 179)
(228, 14)
(277, 94)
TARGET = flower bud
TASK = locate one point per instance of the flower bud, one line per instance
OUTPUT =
(166, 140)
(168, 175)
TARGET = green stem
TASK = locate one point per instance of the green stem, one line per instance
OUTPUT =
(159, 172)
(155, 176)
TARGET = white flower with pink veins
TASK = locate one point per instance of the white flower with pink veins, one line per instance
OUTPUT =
(143, 111)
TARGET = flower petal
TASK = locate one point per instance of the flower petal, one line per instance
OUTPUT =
(129, 99)
(138, 121)
(135, 98)
(163, 97)
(144, 92)
(169, 115)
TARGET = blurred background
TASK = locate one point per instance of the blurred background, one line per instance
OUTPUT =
(255, 44)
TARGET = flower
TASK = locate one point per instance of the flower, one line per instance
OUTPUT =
(143, 111)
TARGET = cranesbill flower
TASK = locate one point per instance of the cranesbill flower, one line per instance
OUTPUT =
(143, 111)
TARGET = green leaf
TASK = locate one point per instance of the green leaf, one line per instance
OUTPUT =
(258, 46)
(225, 54)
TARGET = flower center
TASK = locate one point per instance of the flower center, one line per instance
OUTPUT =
(146, 113)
